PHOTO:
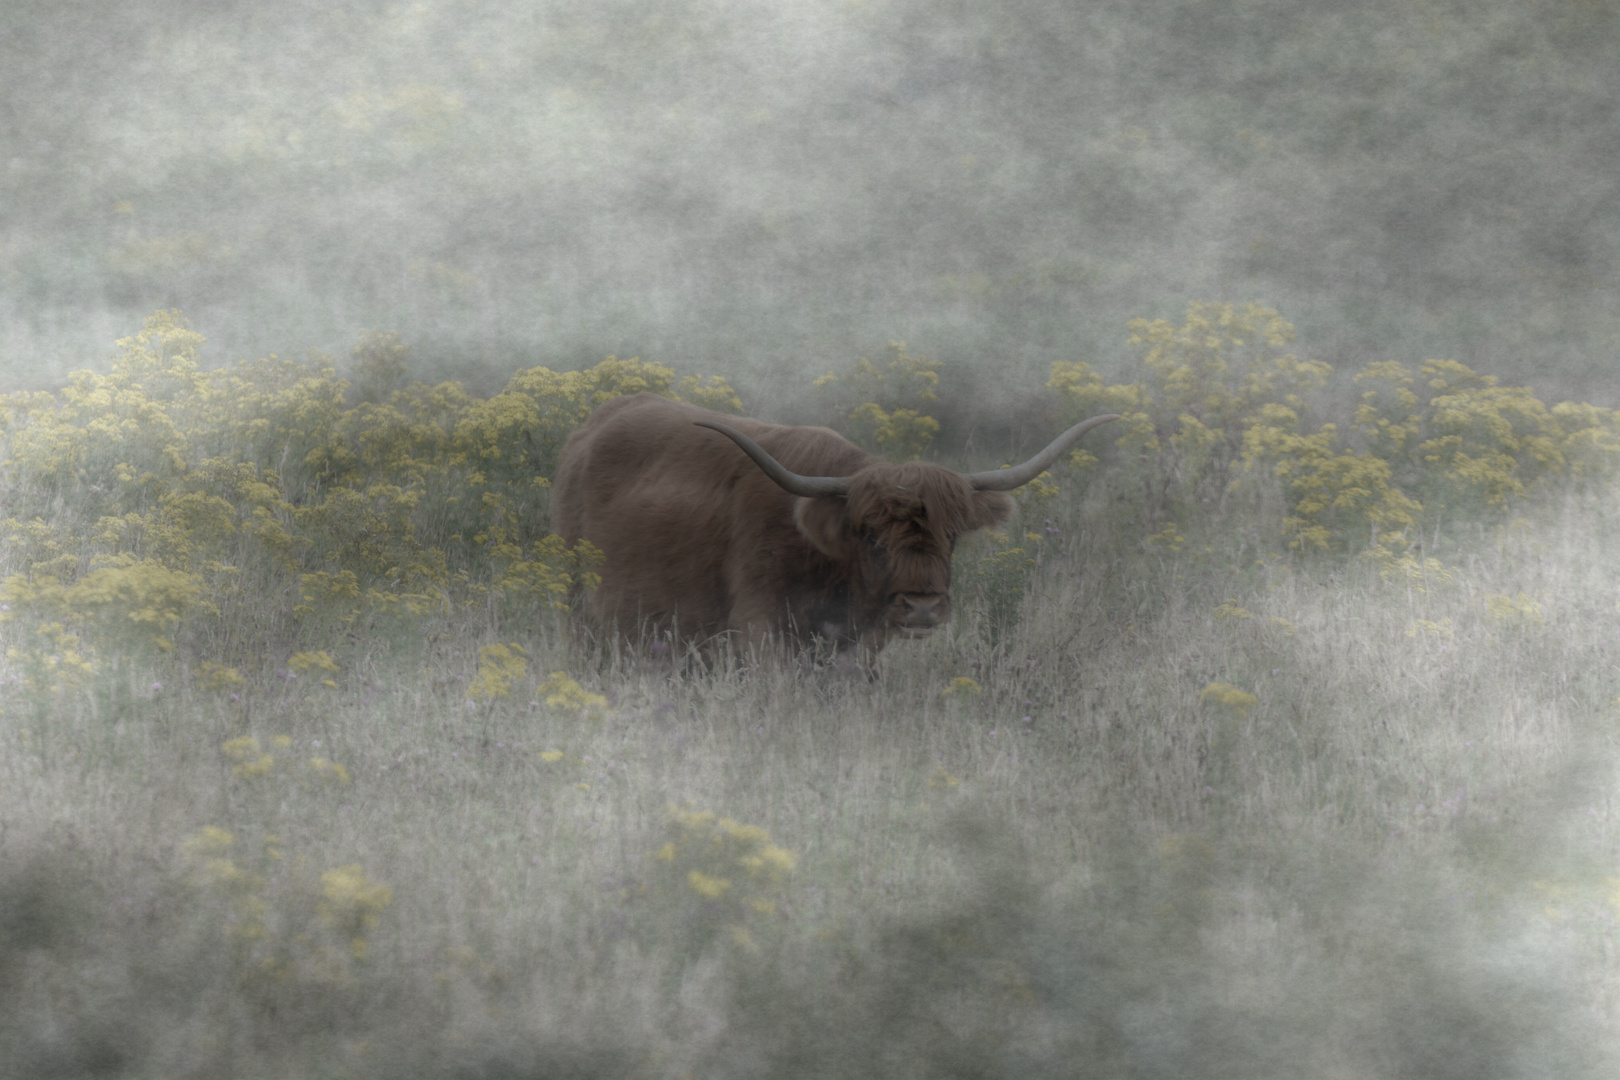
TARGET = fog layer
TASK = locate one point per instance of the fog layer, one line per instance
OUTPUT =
(768, 189)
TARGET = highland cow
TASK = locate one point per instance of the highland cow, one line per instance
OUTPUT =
(719, 528)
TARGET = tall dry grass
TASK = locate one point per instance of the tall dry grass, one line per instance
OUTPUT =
(1199, 812)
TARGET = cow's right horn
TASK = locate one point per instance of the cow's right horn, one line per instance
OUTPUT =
(1019, 475)
(811, 487)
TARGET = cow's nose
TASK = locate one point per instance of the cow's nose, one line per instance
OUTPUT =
(921, 610)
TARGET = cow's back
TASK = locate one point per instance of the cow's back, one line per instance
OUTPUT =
(651, 442)
(641, 441)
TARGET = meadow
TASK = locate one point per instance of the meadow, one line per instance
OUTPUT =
(1273, 737)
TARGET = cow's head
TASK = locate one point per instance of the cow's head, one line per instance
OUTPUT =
(894, 533)
(892, 528)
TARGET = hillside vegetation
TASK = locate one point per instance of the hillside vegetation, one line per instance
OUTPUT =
(1273, 737)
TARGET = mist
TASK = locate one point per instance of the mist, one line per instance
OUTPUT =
(1270, 741)
(767, 190)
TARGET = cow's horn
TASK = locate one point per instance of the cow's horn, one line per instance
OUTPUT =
(1019, 475)
(811, 487)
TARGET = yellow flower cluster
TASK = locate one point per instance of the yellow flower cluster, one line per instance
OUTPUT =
(732, 867)
(1227, 696)
(161, 493)
(351, 904)
(1522, 612)
(1168, 538)
(285, 928)
(499, 666)
(314, 664)
(250, 759)
(879, 402)
(212, 869)
(562, 693)
(1040, 490)
(1220, 398)
(901, 435)
(213, 676)
(53, 660)
(132, 602)
(269, 931)
(1396, 561)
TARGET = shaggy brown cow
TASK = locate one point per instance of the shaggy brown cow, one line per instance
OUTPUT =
(796, 536)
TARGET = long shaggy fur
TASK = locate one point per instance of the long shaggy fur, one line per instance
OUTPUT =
(700, 543)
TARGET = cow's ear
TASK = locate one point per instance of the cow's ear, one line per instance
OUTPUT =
(990, 508)
(825, 523)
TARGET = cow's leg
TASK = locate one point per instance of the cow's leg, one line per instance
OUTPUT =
(759, 636)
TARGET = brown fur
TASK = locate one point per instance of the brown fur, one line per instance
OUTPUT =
(700, 543)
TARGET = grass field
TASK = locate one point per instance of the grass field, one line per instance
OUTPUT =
(1158, 803)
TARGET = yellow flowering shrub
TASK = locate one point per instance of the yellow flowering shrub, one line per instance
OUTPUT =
(148, 500)
(548, 574)
(1460, 436)
(248, 757)
(1218, 391)
(311, 661)
(1226, 696)
(1590, 442)
(326, 769)
(1085, 393)
(1037, 493)
(723, 876)
(251, 759)
(287, 934)
(217, 677)
(560, 692)
(1337, 494)
(1168, 539)
(1399, 561)
(52, 660)
(212, 869)
(351, 904)
(1387, 416)
(499, 666)
(962, 686)
(1519, 612)
(1184, 421)
(317, 665)
(518, 433)
(901, 435)
(1486, 441)
(881, 404)
(131, 600)
(378, 364)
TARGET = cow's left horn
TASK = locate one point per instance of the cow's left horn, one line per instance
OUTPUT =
(1019, 475)
(811, 487)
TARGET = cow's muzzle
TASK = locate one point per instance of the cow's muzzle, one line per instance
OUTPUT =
(917, 615)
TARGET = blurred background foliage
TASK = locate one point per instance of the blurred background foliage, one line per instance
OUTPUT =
(756, 188)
